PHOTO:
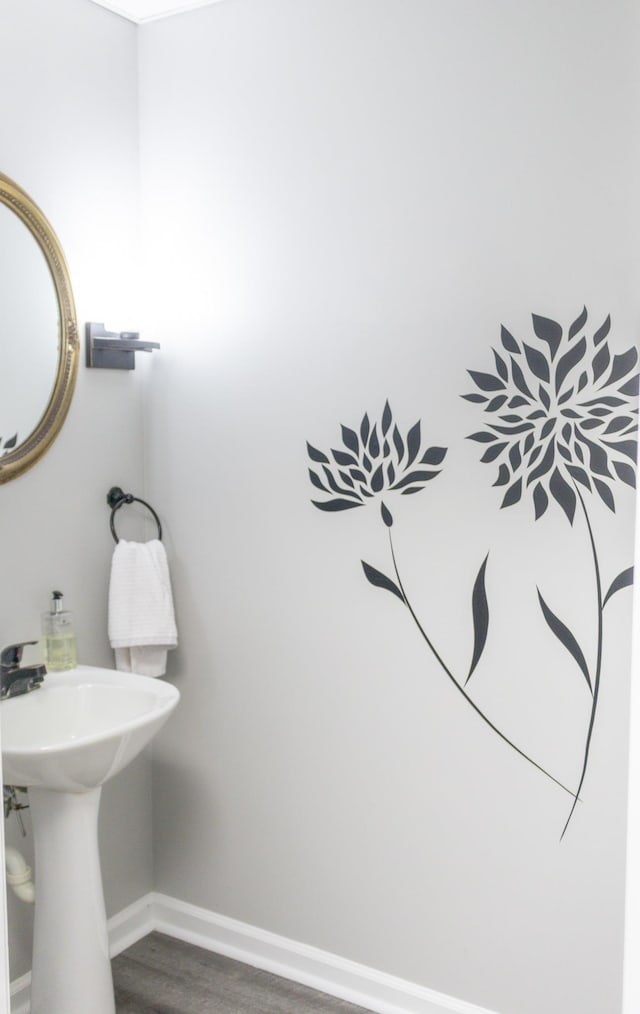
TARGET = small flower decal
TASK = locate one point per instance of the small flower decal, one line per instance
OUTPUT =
(375, 459)
(563, 412)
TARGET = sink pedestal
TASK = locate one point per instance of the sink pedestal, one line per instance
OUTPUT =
(71, 967)
(63, 742)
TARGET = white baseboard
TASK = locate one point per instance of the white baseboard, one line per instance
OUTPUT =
(329, 973)
(358, 984)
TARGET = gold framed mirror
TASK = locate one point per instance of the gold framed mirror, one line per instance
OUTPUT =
(38, 333)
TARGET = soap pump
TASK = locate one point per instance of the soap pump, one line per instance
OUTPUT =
(59, 639)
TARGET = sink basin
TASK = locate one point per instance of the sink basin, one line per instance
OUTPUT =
(81, 727)
(64, 741)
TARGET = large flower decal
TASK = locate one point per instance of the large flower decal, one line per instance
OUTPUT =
(561, 411)
(375, 459)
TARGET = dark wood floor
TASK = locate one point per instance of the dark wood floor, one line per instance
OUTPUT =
(160, 975)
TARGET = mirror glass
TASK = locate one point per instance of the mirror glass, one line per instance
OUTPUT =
(38, 332)
(29, 331)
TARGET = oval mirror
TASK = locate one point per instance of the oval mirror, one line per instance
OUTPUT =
(38, 333)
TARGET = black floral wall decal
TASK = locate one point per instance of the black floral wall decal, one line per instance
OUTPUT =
(378, 460)
(561, 421)
(374, 460)
(559, 414)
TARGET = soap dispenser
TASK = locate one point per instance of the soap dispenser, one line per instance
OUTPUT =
(59, 639)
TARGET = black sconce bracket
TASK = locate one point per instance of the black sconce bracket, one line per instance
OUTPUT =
(114, 350)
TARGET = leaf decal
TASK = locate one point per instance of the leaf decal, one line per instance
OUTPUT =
(626, 447)
(605, 493)
(601, 361)
(317, 455)
(578, 324)
(501, 366)
(512, 431)
(563, 494)
(631, 386)
(413, 443)
(622, 364)
(335, 486)
(486, 381)
(518, 379)
(513, 494)
(496, 403)
(568, 361)
(343, 458)
(547, 429)
(377, 479)
(580, 475)
(483, 437)
(492, 453)
(335, 505)
(414, 477)
(549, 331)
(374, 444)
(11, 442)
(503, 476)
(386, 515)
(544, 398)
(317, 481)
(598, 458)
(386, 418)
(374, 577)
(537, 363)
(540, 500)
(566, 638)
(626, 473)
(623, 580)
(602, 331)
(398, 443)
(621, 422)
(480, 610)
(545, 464)
(364, 428)
(509, 341)
(433, 456)
(350, 439)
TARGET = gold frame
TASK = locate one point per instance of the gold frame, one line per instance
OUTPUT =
(40, 439)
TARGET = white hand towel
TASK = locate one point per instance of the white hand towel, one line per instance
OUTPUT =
(142, 626)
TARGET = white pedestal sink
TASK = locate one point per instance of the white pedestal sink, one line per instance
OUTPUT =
(64, 741)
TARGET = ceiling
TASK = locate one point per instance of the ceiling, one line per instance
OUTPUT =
(140, 11)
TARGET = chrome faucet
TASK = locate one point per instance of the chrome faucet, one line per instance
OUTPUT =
(14, 678)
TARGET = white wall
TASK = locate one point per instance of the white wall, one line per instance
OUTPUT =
(69, 125)
(344, 201)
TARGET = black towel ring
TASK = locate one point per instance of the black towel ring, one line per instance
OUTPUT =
(116, 498)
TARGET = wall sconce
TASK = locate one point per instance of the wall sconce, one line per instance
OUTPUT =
(114, 350)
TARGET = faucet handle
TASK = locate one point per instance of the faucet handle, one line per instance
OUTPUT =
(11, 656)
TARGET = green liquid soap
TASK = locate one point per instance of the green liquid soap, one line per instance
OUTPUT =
(60, 652)
(58, 638)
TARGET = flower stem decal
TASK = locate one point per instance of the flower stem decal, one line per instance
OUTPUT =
(561, 419)
(378, 461)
